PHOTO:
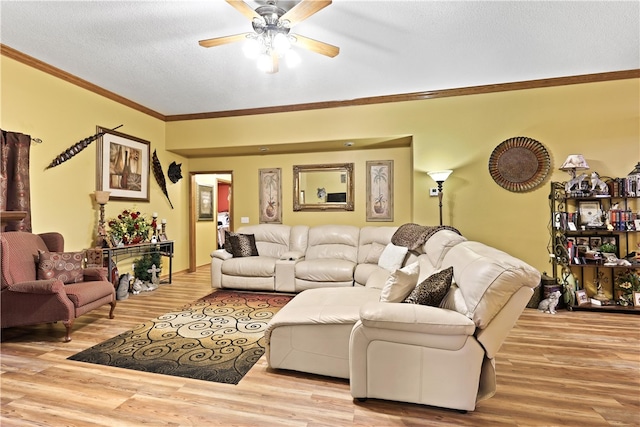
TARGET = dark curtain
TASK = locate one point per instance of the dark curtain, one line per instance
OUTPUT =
(15, 194)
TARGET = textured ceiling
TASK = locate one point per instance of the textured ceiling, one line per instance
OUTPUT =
(148, 52)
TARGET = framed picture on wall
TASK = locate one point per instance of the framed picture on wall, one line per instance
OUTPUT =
(379, 190)
(122, 166)
(205, 203)
(270, 195)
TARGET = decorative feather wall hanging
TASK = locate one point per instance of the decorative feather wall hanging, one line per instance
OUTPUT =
(75, 149)
(157, 172)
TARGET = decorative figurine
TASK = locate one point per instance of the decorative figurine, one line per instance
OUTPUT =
(154, 274)
(549, 304)
(597, 185)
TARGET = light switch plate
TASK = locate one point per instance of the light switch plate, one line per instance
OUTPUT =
(244, 220)
(433, 192)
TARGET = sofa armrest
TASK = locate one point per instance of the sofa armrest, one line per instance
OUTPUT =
(285, 280)
(52, 286)
(221, 254)
(94, 274)
(292, 256)
(415, 318)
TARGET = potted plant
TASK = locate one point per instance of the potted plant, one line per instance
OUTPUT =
(626, 283)
(608, 249)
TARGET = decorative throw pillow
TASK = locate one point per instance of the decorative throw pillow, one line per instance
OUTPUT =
(227, 241)
(392, 257)
(400, 283)
(64, 266)
(243, 245)
(432, 290)
(374, 253)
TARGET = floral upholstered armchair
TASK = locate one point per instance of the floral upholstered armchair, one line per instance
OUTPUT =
(42, 284)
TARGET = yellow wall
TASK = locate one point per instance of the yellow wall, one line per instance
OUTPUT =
(245, 184)
(599, 120)
(62, 114)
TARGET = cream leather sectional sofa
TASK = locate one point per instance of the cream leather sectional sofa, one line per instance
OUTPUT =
(440, 356)
(294, 258)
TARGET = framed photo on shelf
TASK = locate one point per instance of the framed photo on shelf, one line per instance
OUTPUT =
(590, 213)
(636, 299)
(122, 165)
(581, 297)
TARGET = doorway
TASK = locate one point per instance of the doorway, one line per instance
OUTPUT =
(205, 234)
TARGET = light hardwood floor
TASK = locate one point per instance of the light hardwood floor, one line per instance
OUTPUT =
(568, 369)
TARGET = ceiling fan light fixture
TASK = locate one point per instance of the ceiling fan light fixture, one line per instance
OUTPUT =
(281, 43)
(271, 41)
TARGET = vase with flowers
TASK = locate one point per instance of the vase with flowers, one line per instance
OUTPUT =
(129, 228)
(626, 283)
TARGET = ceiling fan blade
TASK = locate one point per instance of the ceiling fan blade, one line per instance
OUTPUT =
(244, 9)
(223, 40)
(303, 10)
(316, 46)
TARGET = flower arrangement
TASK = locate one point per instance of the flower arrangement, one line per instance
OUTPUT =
(627, 282)
(130, 227)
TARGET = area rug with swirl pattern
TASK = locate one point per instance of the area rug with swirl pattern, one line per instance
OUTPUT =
(217, 338)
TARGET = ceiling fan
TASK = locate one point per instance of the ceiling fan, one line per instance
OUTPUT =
(270, 40)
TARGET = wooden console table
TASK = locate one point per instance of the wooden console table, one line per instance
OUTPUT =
(123, 252)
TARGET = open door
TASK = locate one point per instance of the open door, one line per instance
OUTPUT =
(204, 235)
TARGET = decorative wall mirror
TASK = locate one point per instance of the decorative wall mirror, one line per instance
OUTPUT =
(323, 187)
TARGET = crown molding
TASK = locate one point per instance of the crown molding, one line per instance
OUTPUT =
(415, 96)
(63, 75)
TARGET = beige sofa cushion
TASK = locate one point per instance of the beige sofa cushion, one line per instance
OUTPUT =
(272, 240)
(325, 270)
(255, 266)
(487, 278)
(333, 242)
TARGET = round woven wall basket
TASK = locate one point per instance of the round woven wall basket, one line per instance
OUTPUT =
(519, 164)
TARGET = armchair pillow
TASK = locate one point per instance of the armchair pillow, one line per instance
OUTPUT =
(432, 290)
(64, 266)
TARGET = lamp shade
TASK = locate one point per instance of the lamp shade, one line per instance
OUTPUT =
(102, 197)
(440, 176)
(574, 162)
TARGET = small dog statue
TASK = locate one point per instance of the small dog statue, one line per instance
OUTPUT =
(549, 304)
(122, 291)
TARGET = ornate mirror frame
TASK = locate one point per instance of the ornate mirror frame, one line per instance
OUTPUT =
(301, 196)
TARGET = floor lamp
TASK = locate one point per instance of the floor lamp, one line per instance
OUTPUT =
(439, 177)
